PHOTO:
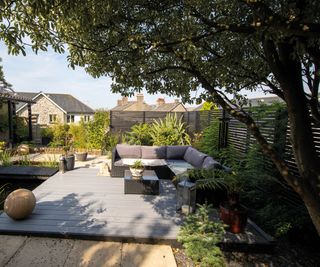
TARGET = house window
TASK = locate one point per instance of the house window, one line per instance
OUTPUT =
(70, 118)
(35, 118)
(52, 118)
(86, 118)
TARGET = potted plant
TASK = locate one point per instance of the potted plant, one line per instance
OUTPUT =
(69, 157)
(80, 140)
(232, 212)
(81, 155)
(137, 169)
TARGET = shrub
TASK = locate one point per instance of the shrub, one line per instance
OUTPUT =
(79, 135)
(111, 140)
(200, 237)
(139, 135)
(209, 139)
(169, 131)
(97, 129)
(60, 135)
(47, 132)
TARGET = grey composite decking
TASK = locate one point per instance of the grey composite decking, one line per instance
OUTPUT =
(81, 204)
(27, 172)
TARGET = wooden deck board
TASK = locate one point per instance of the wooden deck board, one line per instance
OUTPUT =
(80, 203)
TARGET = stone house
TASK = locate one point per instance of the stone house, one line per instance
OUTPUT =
(51, 108)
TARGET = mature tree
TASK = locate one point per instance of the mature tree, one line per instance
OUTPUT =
(177, 47)
(3, 83)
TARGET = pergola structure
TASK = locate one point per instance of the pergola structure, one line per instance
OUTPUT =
(10, 97)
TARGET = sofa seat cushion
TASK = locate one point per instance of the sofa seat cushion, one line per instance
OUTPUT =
(194, 157)
(210, 163)
(128, 151)
(153, 152)
(145, 162)
(179, 166)
(176, 152)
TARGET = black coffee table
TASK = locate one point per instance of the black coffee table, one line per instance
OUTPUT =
(147, 185)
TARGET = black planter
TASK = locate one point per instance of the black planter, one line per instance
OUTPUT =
(45, 140)
(69, 161)
(81, 156)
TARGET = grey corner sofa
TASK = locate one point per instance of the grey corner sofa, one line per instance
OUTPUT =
(166, 161)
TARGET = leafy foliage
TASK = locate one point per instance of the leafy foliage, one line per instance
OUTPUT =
(200, 237)
(210, 139)
(60, 134)
(79, 134)
(169, 131)
(137, 164)
(139, 135)
(47, 132)
(111, 140)
(97, 129)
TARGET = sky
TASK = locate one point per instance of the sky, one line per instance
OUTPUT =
(49, 72)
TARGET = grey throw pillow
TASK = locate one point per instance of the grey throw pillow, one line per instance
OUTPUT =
(210, 163)
(127, 151)
(153, 152)
(176, 152)
(194, 157)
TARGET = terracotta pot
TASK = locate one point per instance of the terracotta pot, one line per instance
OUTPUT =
(81, 156)
(234, 216)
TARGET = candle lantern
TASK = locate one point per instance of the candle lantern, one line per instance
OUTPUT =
(186, 197)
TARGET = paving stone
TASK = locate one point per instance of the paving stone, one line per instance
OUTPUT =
(40, 252)
(94, 254)
(143, 255)
(9, 246)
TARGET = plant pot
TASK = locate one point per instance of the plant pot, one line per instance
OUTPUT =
(81, 156)
(136, 173)
(234, 216)
(69, 161)
(45, 140)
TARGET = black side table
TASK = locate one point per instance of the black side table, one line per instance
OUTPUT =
(147, 185)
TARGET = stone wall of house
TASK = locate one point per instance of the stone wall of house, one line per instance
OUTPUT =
(43, 108)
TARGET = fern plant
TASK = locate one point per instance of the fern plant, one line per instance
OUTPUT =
(169, 131)
(200, 236)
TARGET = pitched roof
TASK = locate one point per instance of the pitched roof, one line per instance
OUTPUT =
(166, 107)
(65, 101)
(123, 107)
(27, 95)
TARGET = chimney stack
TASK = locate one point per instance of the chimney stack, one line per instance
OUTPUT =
(160, 101)
(176, 101)
(119, 102)
(140, 98)
(124, 100)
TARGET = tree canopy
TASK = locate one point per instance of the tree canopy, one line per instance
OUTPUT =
(178, 47)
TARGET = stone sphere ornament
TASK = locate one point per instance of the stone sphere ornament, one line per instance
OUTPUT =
(19, 204)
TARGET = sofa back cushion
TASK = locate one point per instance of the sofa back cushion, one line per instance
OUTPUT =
(176, 152)
(153, 152)
(128, 151)
(194, 157)
(210, 163)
